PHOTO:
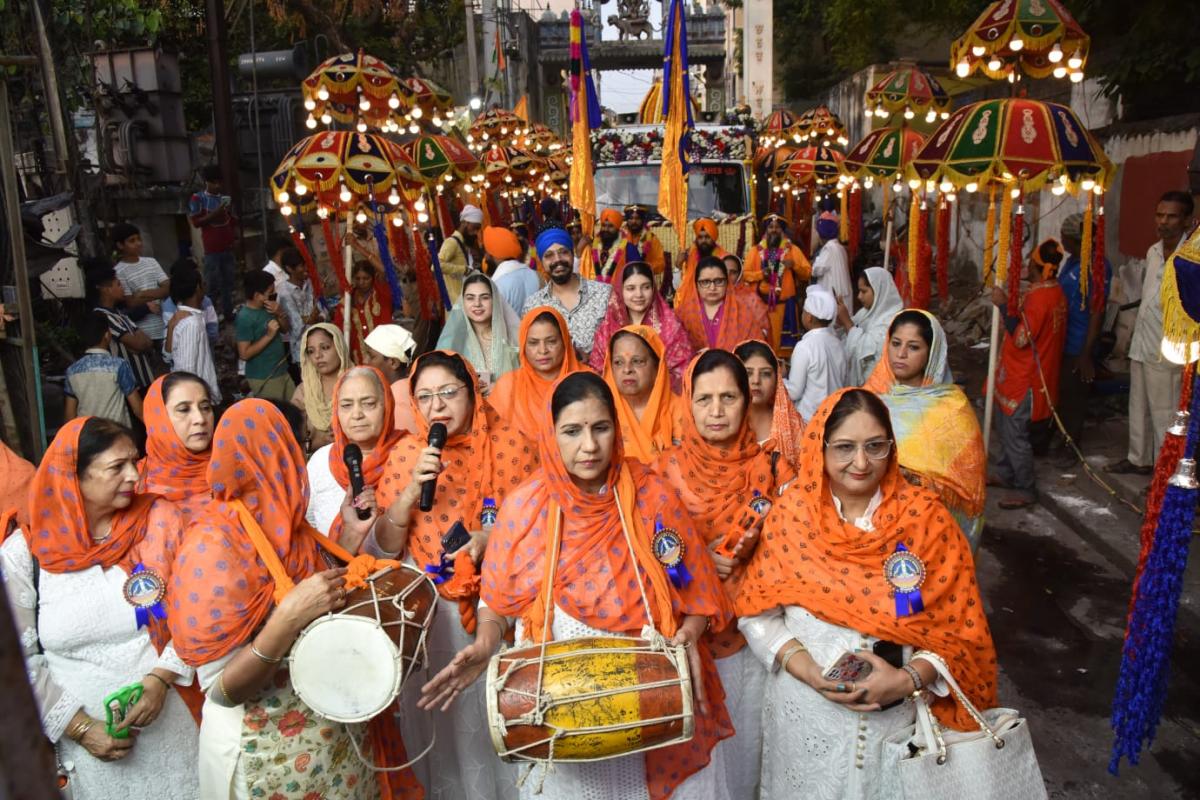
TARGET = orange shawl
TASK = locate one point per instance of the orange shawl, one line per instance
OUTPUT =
(488, 461)
(739, 322)
(716, 484)
(146, 533)
(596, 580)
(373, 462)
(787, 426)
(520, 397)
(810, 557)
(169, 468)
(645, 438)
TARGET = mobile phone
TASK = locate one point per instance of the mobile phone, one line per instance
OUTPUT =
(848, 667)
(890, 652)
(455, 538)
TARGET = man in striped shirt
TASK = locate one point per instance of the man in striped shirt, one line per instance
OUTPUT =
(128, 341)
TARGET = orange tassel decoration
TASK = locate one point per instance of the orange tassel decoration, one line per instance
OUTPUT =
(914, 247)
(943, 249)
(1085, 255)
(1017, 249)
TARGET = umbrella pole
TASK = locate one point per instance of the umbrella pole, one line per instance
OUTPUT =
(887, 244)
(993, 350)
(347, 256)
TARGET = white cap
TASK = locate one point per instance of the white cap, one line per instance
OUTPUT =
(820, 302)
(471, 214)
(391, 341)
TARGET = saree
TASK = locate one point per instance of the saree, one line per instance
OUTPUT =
(809, 557)
(938, 438)
(645, 438)
(593, 553)
(519, 397)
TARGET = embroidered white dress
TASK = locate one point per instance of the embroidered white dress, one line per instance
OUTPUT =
(621, 778)
(92, 647)
(814, 748)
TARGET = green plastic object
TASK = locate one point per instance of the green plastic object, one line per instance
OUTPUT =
(116, 706)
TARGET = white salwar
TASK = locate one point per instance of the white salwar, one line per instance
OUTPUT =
(463, 763)
(812, 747)
(92, 646)
(744, 679)
(325, 494)
(620, 778)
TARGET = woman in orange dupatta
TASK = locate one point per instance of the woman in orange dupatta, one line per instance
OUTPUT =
(482, 462)
(716, 315)
(727, 481)
(235, 617)
(595, 592)
(637, 373)
(776, 423)
(179, 429)
(547, 354)
(938, 438)
(85, 583)
(837, 570)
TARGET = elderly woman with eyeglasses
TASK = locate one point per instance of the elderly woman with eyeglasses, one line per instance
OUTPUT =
(482, 460)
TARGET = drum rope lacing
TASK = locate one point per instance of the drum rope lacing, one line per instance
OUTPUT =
(543, 704)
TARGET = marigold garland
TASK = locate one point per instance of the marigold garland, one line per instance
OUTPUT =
(989, 240)
(844, 215)
(914, 213)
(1004, 237)
(1085, 255)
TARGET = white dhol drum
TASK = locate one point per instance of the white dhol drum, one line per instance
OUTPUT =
(348, 666)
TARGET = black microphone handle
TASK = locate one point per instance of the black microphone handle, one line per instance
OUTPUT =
(353, 459)
(428, 490)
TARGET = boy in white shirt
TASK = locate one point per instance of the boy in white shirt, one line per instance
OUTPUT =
(818, 367)
(187, 336)
(145, 283)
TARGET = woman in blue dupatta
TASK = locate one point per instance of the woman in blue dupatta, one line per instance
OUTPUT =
(938, 437)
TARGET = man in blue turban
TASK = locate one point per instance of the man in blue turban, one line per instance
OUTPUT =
(831, 267)
(582, 302)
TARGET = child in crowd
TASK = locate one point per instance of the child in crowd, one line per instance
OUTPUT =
(100, 384)
(210, 211)
(128, 341)
(187, 339)
(818, 367)
(259, 343)
(145, 285)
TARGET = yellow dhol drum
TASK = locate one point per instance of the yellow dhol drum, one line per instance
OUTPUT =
(349, 666)
(599, 698)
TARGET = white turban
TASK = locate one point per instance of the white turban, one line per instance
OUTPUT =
(471, 214)
(392, 341)
(820, 302)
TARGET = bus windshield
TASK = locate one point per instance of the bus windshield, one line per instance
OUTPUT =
(713, 189)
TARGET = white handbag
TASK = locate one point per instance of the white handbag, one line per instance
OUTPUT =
(996, 762)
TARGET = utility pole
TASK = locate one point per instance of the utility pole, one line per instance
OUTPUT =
(472, 59)
(214, 11)
(488, 12)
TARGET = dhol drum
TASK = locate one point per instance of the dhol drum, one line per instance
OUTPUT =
(348, 666)
(588, 699)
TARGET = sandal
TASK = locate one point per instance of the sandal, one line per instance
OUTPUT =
(1015, 502)
(1127, 467)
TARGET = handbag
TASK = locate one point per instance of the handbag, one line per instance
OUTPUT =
(925, 761)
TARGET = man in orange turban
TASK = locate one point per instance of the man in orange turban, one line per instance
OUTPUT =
(704, 245)
(598, 258)
(515, 279)
(778, 270)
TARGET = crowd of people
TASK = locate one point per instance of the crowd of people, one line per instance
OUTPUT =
(736, 468)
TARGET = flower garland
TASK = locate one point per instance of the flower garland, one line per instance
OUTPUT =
(615, 145)
(914, 211)
(989, 239)
(1085, 255)
(1005, 237)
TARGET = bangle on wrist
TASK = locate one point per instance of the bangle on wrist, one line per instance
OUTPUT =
(788, 653)
(77, 731)
(158, 678)
(263, 657)
(500, 625)
(918, 684)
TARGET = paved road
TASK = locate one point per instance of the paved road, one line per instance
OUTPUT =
(1057, 608)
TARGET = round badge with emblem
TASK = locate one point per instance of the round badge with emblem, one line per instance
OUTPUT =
(760, 504)
(904, 572)
(668, 547)
(144, 589)
(487, 515)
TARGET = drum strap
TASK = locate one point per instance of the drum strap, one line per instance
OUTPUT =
(359, 567)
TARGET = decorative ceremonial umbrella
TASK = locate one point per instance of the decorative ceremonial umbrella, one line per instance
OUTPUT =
(884, 153)
(778, 128)
(1030, 36)
(341, 171)
(820, 125)
(768, 158)
(355, 87)
(811, 165)
(1014, 140)
(543, 140)
(430, 100)
(908, 90)
(440, 158)
(496, 126)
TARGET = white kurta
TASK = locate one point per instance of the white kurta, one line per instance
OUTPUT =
(325, 494)
(831, 269)
(92, 647)
(621, 778)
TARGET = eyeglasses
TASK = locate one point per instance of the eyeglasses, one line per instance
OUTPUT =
(637, 362)
(844, 452)
(448, 394)
(711, 283)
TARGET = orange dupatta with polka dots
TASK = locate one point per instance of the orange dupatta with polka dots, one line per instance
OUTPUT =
(486, 462)
(597, 577)
(373, 463)
(716, 484)
(169, 468)
(645, 438)
(809, 557)
(521, 396)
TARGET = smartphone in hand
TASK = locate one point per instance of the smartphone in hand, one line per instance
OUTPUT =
(455, 538)
(848, 667)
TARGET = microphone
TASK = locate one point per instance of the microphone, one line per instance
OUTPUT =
(353, 458)
(437, 438)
